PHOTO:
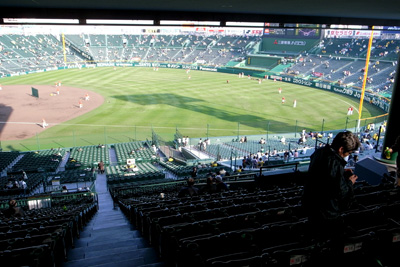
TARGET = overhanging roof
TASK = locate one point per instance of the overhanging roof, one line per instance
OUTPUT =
(364, 12)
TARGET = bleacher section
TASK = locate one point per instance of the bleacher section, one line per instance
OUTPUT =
(139, 151)
(185, 171)
(42, 236)
(143, 172)
(30, 53)
(44, 160)
(386, 50)
(88, 157)
(381, 49)
(235, 149)
(75, 176)
(6, 158)
(261, 227)
(259, 221)
(33, 180)
(341, 70)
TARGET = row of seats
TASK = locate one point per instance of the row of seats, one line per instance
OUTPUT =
(176, 168)
(44, 160)
(181, 48)
(149, 190)
(87, 156)
(253, 147)
(184, 171)
(74, 176)
(23, 53)
(134, 150)
(42, 236)
(121, 174)
(32, 182)
(6, 158)
(263, 227)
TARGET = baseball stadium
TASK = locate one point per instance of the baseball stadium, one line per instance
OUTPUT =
(142, 92)
(105, 131)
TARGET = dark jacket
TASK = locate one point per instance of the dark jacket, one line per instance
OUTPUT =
(208, 189)
(327, 191)
(396, 148)
(396, 145)
(220, 187)
(188, 191)
(15, 212)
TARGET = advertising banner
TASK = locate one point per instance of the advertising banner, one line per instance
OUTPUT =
(370, 98)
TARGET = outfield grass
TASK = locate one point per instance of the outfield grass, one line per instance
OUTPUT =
(138, 99)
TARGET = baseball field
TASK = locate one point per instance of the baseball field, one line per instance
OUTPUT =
(126, 103)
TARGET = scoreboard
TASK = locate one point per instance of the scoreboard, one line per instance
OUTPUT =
(300, 31)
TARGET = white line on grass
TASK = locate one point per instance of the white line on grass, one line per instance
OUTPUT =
(346, 103)
(116, 126)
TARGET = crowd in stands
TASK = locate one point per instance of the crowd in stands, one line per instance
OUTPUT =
(21, 53)
(210, 49)
(213, 221)
(201, 225)
(342, 61)
(262, 216)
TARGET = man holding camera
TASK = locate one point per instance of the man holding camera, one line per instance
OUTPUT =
(329, 187)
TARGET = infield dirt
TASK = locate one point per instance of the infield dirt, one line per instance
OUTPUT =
(21, 114)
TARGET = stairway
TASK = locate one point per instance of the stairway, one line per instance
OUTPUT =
(64, 161)
(109, 239)
(113, 157)
(9, 167)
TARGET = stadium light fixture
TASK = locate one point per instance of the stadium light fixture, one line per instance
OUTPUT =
(186, 23)
(119, 22)
(245, 24)
(40, 21)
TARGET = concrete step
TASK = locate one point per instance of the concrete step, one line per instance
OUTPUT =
(109, 235)
(118, 255)
(109, 239)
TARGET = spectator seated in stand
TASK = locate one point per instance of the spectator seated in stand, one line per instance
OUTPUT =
(210, 187)
(239, 170)
(13, 210)
(189, 190)
(221, 186)
(131, 168)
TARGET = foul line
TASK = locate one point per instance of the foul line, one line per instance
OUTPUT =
(346, 103)
(118, 126)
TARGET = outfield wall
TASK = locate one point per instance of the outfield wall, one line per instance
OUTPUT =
(375, 100)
